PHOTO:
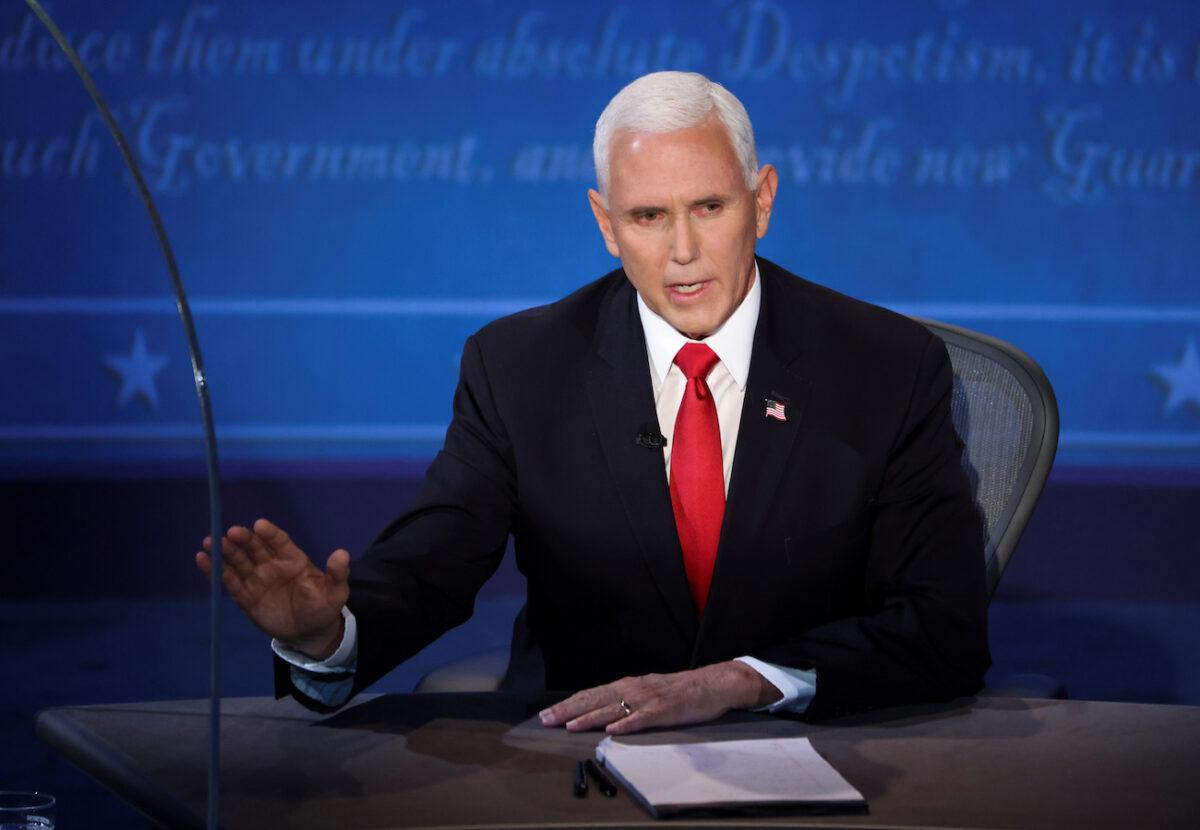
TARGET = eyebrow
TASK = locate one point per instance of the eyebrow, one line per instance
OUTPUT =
(704, 200)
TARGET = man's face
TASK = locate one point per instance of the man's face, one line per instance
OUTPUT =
(683, 222)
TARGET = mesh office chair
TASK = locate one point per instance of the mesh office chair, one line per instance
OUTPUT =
(1007, 417)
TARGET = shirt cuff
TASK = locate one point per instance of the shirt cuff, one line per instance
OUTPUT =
(798, 686)
(342, 661)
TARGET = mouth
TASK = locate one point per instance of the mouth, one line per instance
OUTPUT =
(686, 291)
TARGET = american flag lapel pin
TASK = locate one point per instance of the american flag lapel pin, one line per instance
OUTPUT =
(776, 410)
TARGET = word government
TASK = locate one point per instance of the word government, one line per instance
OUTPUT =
(176, 161)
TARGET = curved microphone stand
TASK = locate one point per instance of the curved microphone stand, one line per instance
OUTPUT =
(210, 438)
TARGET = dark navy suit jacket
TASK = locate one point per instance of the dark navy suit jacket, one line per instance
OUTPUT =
(850, 542)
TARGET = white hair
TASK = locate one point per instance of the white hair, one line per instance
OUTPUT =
(663, 102)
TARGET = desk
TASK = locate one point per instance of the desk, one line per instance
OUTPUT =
(483, 760)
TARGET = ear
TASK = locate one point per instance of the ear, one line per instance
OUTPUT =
(764, 197)
(606, 230)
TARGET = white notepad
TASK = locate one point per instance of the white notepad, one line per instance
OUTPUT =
(720, 775)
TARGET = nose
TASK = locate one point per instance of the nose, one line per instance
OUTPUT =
(685, 246)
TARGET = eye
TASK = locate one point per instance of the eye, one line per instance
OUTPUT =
(709, 208)
(648, 216)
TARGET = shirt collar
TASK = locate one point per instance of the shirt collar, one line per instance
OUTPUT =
(732, 342)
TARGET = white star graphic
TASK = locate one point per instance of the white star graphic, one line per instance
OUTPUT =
(1182, 379)
(136, 371)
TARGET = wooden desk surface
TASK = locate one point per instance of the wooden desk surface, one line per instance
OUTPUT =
(483, 760)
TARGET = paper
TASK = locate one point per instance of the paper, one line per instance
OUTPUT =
(773, 772)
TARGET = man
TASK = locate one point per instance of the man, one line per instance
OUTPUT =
(727, 487)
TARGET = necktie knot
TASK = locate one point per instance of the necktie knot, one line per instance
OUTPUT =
(696, 360)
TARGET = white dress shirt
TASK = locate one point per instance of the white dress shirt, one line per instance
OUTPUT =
(330, 680)
(733, 343)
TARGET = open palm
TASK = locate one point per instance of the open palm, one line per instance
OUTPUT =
(280, 588)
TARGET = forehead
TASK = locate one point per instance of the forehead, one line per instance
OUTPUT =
(688, 163)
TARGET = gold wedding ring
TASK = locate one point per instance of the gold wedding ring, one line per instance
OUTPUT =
(624, 708)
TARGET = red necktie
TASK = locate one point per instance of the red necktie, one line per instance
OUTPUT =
(697, 476)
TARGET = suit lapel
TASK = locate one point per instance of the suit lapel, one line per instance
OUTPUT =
(764, 444)
(622, 400)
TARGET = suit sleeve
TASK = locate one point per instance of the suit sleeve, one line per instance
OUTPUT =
(922, 636)
(420, 576)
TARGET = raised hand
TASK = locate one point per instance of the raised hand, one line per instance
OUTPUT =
(634, 703)
(280, 589)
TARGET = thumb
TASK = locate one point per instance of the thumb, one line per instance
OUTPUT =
(338, 566)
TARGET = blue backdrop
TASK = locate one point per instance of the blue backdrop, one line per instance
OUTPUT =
(354, 188)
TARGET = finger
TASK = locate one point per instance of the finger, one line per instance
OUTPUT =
(338, 566)
(640, 719)
(232, 582)
(276, 539)
(239, 534)
(597, 718)
(255, 551)
(235, 586)
(235, 555)
(577, 704)
(232, 555)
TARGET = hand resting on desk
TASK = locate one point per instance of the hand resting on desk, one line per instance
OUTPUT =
(676, 699)
(280, 589)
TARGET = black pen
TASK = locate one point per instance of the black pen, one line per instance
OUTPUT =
(606, 785)
(580, 788)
